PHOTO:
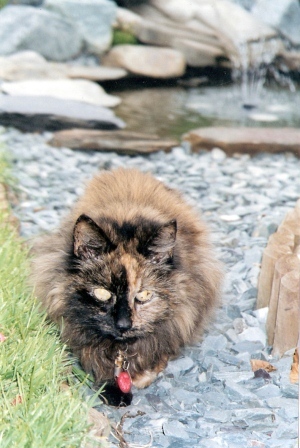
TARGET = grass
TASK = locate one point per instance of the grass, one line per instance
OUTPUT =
(3, 3)
(121, 37)
(37, 407)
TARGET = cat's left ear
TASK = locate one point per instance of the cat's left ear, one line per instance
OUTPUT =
(162, 243)
(89, 240)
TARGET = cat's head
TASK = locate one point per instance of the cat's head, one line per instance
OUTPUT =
(120, 284)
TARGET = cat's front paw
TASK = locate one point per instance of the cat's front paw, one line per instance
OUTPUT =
(113, 396)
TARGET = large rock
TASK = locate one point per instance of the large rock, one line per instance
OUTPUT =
(32, 113)
(122, 142)
(283, 15)
(31, 65)
(203, 31)
(47, 33)
(76, 90)
(245, 140)
(92, 18)
(146, 60)
(238, 30)
(198, 43)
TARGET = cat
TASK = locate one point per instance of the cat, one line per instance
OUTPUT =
(130, 277)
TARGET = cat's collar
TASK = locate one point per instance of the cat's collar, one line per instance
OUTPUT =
(121, 371)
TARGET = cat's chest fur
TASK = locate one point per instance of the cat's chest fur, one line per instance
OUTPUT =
(130, 270)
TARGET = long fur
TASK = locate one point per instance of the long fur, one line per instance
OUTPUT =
(128, 233)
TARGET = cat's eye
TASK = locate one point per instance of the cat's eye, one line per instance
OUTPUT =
(144, 296)
(102, 294)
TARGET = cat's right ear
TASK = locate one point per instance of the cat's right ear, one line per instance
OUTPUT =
(89, 240)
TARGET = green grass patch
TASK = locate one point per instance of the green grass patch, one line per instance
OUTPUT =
(3, 3)
(36, 409)
(121, 37)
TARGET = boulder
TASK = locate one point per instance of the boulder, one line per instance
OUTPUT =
(31, 65)
(47, 33)
(198, 43)
(32, 113)
(245, 140)
(203, 31)
(239, 29)
(92, 18)
(147, 60)
(76, 90)
(284, 15)
(122, 142)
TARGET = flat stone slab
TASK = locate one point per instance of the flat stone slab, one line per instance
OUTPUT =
(122, 142)
(31, 65)
(31, 113)
(245, 140)
(68, 89)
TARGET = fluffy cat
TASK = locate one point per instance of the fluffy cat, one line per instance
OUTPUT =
(130, 277)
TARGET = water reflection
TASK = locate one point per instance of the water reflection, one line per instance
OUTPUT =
(171, 111)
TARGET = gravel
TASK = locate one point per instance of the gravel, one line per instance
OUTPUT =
(209, 397)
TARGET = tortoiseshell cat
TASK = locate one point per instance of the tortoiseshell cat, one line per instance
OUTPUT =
(130, 274)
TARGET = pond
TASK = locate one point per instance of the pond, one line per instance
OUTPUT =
(172, 111)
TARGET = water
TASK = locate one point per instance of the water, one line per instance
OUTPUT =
(172, 111)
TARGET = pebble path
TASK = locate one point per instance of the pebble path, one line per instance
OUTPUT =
(208, 397)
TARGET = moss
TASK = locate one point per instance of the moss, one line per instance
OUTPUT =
(123, 37)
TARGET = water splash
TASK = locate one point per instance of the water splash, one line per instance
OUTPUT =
(253, 63)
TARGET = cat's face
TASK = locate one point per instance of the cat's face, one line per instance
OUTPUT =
(119, 284)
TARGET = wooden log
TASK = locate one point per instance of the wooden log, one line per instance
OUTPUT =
(271, 254)
(282, 267)
(287, 321)
(279, 283)
(283, 237)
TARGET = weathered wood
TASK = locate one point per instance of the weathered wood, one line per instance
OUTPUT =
(283, 237)
(287, 321)
(282, 267)
(271, 254)
(279, 283)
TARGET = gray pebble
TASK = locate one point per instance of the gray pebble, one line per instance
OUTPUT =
(175, 429)
(243, 199)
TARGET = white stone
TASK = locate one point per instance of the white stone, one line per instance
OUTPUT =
(78, 90)
(202, 377)
(263, 117)
(230, 218)
(147, 61)
(218, 154)
(253, 334)
(31, 65)
(261, 314)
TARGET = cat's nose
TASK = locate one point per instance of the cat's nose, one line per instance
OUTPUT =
(124, 323)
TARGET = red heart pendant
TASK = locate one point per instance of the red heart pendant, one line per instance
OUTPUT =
(124, 382)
